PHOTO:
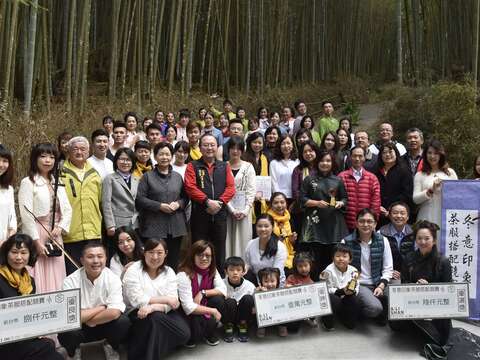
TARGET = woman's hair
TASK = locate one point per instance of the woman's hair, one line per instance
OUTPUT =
(166, 128)
(37, 151)
(137, 252)
(476, 174)
(303, 163)
(128, 114)
(17, 240)
(156, 113)
(151, 244)
(260, 110)
(349, 141)
(302, 122)
(160, 146)
(272, 244)
(278, 148)
(188, 262)
(442, 163)
(127, 151)
(182, 144)
(301, 257)
(143, 144)
(335, 137)
(270, 129)
(321, 155)
(424, 224)
(300, 132)
(6, 179)
(193, 125)
(364, 212)
(388, 145)
(348, 119)
(248, 155)
(107, 118)
(267, 272)
(236, 142)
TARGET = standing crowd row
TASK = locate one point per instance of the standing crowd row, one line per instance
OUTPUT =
(152, 219)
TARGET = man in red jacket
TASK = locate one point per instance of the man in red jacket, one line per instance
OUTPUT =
(210, 185)
(362, 188)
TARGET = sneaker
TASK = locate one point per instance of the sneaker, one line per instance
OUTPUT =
(228, 333)
(212, 340)
(242, 333)
(261, 332)
(190, 344)
(312, 322)
(110, 353)
(282, 331)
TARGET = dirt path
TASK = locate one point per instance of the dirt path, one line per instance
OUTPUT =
(369, 114)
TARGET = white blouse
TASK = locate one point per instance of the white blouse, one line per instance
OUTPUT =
(185, 290)
(245, 181)
(253, 258)
(281, 175)
(36, 197)
(8, 219)
(139, 288)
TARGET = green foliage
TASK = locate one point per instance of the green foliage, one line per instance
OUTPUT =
(446, 111)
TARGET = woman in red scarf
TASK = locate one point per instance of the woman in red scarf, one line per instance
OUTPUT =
(202, 292)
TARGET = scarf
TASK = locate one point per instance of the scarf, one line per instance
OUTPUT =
(205, 284)
(23, 283)
(263, 202)
(141, 169)
(195, 153)
(283, 230)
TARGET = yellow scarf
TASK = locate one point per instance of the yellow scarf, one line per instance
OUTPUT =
(283, 230)
(23, 283)
(263, 172)
(195, 153)
(141, 169)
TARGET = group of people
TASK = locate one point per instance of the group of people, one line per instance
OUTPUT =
(168, 234)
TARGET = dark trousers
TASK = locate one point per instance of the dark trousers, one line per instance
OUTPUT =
(436, 331)
(241, 312)
(156, 335)
(115, 332)
(34, 349)
(75, 251)
(173, 245)
(213, 229)
(200, 325)
(346, 309)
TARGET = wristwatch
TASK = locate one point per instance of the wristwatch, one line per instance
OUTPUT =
(204, 293)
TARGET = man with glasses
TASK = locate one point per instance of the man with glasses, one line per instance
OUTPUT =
(83, 185)
(362, 187)
(210, 185)
(385, 135)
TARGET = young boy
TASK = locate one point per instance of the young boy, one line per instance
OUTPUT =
(239, 303)
(269, 279)
(343, 287)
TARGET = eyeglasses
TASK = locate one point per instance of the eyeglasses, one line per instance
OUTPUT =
(204, 256)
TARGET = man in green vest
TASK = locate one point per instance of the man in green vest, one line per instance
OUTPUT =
(327, 122)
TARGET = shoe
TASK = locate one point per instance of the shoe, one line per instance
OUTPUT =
(76, 356)
(228, 333)
(242, 333)
(327, 324)
(261, 332)
(312, 322)
(212, 340)
(190, 344)
(110, 353)
(282, 331)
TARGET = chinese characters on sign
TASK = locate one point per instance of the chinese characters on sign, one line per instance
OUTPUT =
(31, 316)
(289, 304)
(430, 301)
(461, 241)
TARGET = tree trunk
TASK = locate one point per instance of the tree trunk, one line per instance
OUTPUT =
(399, 42)
(30, 59)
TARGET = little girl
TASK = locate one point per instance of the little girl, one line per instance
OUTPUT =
(269, 279)
(302, 264)
(282, 227)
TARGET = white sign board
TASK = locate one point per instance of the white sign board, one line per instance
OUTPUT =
(31, 316)
(263, 185)
(294, 303)
(428, 301)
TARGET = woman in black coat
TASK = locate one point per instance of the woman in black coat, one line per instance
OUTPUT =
(396, 181)
(16, 253)
(425, 266)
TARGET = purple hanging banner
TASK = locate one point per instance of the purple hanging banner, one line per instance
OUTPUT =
(460, 235)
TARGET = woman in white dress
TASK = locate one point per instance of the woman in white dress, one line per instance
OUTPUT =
(8, 219)
(239, 221)
(427, 183)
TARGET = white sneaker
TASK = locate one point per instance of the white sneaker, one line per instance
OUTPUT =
(110, 353)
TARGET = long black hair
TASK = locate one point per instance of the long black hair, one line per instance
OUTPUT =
(137, 252)
(37, 151)
(272, 244)
(6, 179)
